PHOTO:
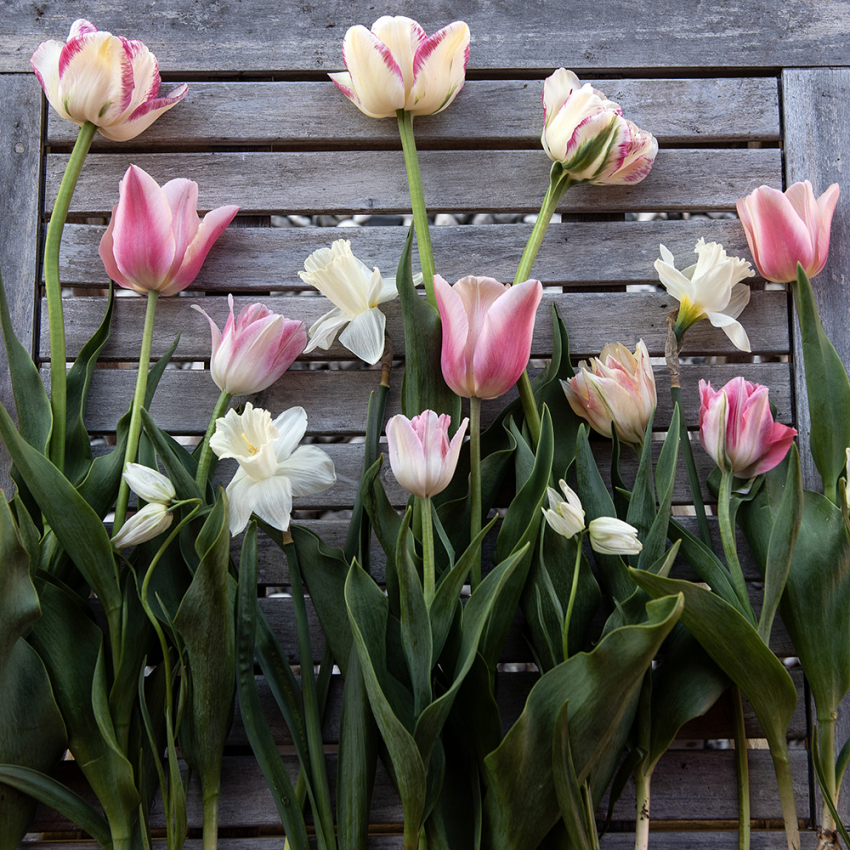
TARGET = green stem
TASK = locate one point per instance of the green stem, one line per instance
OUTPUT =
(206, 451)
(784, 780)
(693, 475)
(743, 771)
(571, 603)
(53, 292)
(136, 415)
(730, 545)
(210, 834)
(642, 809)
(312, 712)
(428, 573)
(475, 483)
(826, 751)
(417, 202)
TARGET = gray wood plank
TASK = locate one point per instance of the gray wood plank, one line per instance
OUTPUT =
(492, 113)
(272, 37)
(454, 181)
(572, 253)
(20, 167)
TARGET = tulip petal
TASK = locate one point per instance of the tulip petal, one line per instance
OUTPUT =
(826, 205)
(439, 69)
(291, 426)
(106, 251)
(401, 36)
(407, 456)
(309, 470)
(376, 79)
(142, 117)
(364, 336)
(556, 89)
(45, 64)
(455, 332)
(182, 197)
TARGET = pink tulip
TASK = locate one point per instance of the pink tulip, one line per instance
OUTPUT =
(487, 330)
(784, 229)
(155, 240)
(105, 79)
(737, 429)
(254, 350)
(421, 456)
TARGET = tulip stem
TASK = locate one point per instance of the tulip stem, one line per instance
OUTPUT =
(136, 414)
(743, 771)
(826, 752)
(725, 515)
(53, 292)
(206, 451)
(417, 202)
(475, 483)
(428, 577)
(565, 638)
(782, 768)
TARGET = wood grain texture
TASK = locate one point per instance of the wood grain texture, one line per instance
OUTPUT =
(490, 114)
(454, 181)
(270, 37)
(20, 158)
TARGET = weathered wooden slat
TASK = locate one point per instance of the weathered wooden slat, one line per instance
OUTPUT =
(455, 181)
(572, 253)
(628, 317)
(489, 113)
(271, 37)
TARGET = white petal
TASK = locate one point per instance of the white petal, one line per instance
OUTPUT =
(149, 522)
(324, 329)
(150, 485)
(733, 329)
(364, 337)
(272, 501)
(239, 501)
(674, 281)
(291, 426)
(309, 470)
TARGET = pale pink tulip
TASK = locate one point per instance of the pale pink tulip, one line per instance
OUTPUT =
(737, 429)
(155, 240)
(422, 458)
(396, 66)
(786, 228)
(254, 350)
(487, 331)
(103, 78)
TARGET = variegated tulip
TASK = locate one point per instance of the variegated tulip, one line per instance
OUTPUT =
(786, 228)
(564, 517)
(588, 135)
(105, 79)
(155, 240)
(617, 388)
(396, 66)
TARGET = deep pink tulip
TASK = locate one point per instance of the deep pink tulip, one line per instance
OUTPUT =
(155, 239)
(421, 456)
(254, 350)
(737, 429)
(487, 330)
(784, 229)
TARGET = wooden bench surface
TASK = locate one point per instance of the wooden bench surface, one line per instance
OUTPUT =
(737, 96)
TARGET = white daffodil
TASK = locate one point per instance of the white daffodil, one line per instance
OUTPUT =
(566, 518)
(710, 288)
(273, 469)
(356, 292)
(611, 536)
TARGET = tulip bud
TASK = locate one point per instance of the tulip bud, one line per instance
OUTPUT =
(610, 536)
(155, 240)
(564, 517)
(616, 388)
(148, 484)
(150, 521)
(421, 456)
(737, 429)
(847, 481)
(786, 228)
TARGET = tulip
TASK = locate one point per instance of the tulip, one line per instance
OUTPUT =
(784, 229)
(155, 240)
(564, 517)
(587, 134)
(422, 458)
(146, 524)
(254, 350)
(737, 429)
(273, 469)
(487, 331)
(356, 292)
(709, 289)
(616, 388)
(149, 484)
(396, 66)
(610, 536)
(104, 79)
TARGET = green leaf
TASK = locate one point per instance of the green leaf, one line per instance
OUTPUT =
(827, 797)
(665, 476)
(178, 462)
(641, 512)
(19, 607)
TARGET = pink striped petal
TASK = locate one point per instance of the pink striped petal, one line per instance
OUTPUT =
(402, 37)
(439, 70)
(45, 64)
(182, 197)
(143, 116)
(81, 27)
(455, 324)
(826, 207)
(376, 78)
(106, 251)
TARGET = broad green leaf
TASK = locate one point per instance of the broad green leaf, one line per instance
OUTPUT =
(177, 461)
(19, 607)
(665, 476)
(641, 511)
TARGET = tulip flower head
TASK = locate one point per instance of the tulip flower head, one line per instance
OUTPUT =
(155, 240)
(356, 292)
(617, 388)
(737, 429)
(273, 468)
(710, 289)
(786, 228)
(487, 331)
(588, 135)
(396, 66)
(254, 350)
(422, 457)
(611, 536)
(564, 517)
(105, 79)
(155, 517)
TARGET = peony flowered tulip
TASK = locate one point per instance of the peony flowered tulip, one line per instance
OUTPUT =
(356, 292)
(397, 66)
(710, 289)
(737, 429)
(155, 517)
(273, 468)
(564, 517)
(422, 457)
(487, 331)
(105, 79)
(616, 388)
(611, 536)
(588, 135)
(786, 228)
(254, 350)
(155, 240)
